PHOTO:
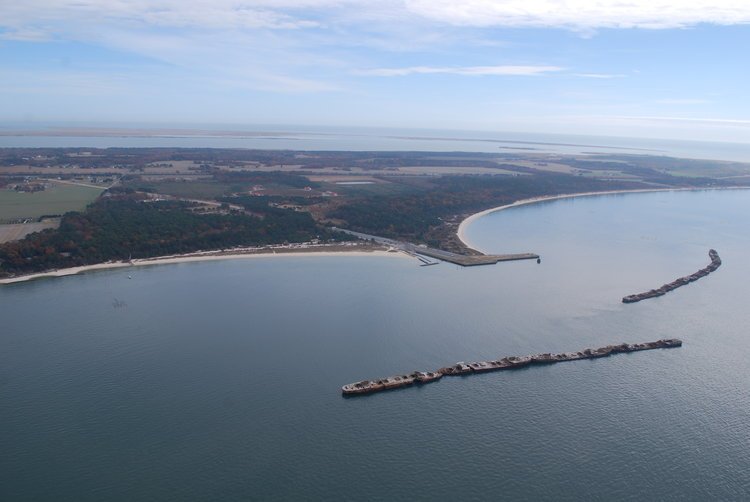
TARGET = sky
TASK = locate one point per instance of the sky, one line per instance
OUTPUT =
(639, 68)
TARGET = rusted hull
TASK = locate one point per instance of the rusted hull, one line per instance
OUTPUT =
(506, 363)
(678, 283)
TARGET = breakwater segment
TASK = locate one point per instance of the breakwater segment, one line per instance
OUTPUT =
(682, 281)
(506, 363)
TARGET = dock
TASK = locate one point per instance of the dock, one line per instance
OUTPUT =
(419, 251)
(506, 363)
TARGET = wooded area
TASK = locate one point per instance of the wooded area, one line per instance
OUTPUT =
(118, 228)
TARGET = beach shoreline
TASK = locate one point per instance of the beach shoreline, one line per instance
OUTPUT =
(461, 231)
(319, 250)
(236, 254)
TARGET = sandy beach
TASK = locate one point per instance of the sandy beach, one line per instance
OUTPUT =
(321, 250)
(280, 252)
(461, 232)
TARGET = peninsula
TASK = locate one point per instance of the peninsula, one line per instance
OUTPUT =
(98, 206)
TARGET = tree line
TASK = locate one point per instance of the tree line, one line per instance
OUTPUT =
(120, 227)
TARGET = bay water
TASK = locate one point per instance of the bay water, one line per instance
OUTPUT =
(221, 380)
(311, 138)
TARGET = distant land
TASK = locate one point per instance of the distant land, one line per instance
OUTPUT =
(338, 138)
(82, 132)
(95, 205)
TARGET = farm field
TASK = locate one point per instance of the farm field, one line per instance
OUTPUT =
(56, 199)
(18, 231)
(188, 189)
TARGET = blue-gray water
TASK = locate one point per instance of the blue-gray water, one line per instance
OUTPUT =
(220, 380)
(265, 137)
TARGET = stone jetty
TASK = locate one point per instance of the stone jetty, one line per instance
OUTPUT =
(682, 281)
(506, 363)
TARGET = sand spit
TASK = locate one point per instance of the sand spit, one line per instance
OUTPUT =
(461, 232)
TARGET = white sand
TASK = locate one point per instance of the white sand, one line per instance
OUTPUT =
(461, 232)
(206, 256)
(297, 252)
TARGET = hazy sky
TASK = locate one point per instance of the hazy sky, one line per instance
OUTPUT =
(651, 68)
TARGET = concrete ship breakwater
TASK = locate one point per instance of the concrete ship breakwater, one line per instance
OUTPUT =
(682, 281)
(506, 363)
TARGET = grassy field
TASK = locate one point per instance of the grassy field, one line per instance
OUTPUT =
(57, 199)
(15, 232)
(374, 189)
(190, 189)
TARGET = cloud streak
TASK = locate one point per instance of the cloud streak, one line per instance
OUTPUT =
(717, 121)
(303, 14)
(473, 71)
(684, 101)
(602, 76)
(263, 56)
(583, 14)
(205, 14)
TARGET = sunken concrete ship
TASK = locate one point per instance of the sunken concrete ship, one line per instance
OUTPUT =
(682, 281)
(506, 363)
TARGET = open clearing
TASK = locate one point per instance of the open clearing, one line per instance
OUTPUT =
(19, 231)
(202, 189)
(56, 199)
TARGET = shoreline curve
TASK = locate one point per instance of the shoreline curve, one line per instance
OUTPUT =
(461, 231)
(197, 257)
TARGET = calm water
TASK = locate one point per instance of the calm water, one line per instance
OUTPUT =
(220, 381)
(380, 139)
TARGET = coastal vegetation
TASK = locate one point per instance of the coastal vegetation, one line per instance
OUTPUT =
(169, 200)
(417, 215)
(124, 226)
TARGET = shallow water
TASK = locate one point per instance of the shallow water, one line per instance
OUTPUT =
(220, 380)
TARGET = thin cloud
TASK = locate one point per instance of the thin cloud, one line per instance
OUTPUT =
(686, 101)
(213, 14)
(599, 75)
(580, 15)
(734, 122)
(26, 35)
(69, 83)
(277, 83)
(504, 70)
(583, 15)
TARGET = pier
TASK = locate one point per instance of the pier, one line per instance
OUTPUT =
(506, 363)
(678, 283)
(438, 254)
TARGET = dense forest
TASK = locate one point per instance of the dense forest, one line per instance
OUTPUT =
(120, 227)
(420, 205)
(212, 161)
(412, 217)
(137, 158)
